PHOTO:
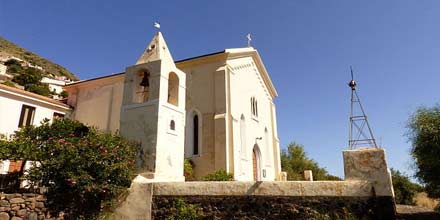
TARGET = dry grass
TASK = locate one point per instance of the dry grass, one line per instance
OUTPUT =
(422, 199)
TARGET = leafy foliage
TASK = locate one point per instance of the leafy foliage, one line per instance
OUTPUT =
(294, 161)
(188, 169)
(184, 211)
(404, 189)
(219, 175)
(40, 89)
(14, 68)
(30, 79)
(30, 76)
(8, 83)
(83, 169)
(424, 133)
(64, 94)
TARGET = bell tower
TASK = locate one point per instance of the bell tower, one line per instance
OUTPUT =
(153, 113)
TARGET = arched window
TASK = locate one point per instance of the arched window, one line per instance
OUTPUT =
(142, 86)
(172, 125)
(254, 107)
(173, 89)
(196, 134)
(193, 133)
(243, 136)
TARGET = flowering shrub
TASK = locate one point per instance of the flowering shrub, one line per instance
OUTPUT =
(82, 168)
(188, 170)
(219, 175)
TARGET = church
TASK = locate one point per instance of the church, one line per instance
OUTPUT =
(215, 109)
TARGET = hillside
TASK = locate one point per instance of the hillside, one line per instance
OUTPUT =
(8, 48)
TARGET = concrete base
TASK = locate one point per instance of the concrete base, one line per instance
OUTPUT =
(157, 178)
(137, 205)
(367, 186)
(369, 164)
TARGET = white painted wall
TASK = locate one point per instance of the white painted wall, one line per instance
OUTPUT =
(3, 69)
(54, 84)
(10, 110)
(246, 82)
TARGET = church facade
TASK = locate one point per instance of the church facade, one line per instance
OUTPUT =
(216, 109)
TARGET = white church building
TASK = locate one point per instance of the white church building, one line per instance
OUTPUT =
(216, 109)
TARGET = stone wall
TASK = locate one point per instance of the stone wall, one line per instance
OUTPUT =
(279, 207)
(366, 193)
(24, 206)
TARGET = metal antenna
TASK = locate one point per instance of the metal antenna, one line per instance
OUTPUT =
(358, 121)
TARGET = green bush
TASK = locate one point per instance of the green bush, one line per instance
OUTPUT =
(188, 170)
(28, 77)
(183, 211)
(8, 83)
(40, 89)
(14, 68)
(424, 134)
(64, 94)
(404, 189)
(294, 161)
(83, 169)
(219, 175)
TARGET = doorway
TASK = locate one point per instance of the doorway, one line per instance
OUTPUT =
(256, 163)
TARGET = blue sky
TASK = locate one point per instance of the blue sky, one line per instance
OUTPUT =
(307, 47)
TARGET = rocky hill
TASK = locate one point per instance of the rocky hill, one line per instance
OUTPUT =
(8, 49)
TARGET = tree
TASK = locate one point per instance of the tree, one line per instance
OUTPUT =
(83, 169)
(404, 189)
(30, 79)
(30, 76)
(294, 161)
(40, 89)
(424, 134)
(64, 94)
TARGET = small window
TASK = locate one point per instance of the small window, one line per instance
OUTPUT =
(57, 115)
(26, 116)
(172, 125)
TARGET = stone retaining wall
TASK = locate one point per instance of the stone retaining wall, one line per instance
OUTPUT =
(24, 206)
(366, 193)
(279, 207)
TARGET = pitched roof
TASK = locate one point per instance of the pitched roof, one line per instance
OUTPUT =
(157, 50)
(34, 96)
(233, 52)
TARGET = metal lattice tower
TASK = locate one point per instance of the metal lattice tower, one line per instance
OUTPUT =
(361, 134)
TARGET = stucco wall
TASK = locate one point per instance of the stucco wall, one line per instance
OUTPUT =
(98, 103)
(205, 94)
(10, 110)
(246, 82)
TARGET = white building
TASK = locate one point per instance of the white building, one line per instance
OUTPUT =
(216, 109)
(55, 85)
(3, 75)
(19, 108)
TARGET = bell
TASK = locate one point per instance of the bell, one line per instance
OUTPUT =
(145, 80)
